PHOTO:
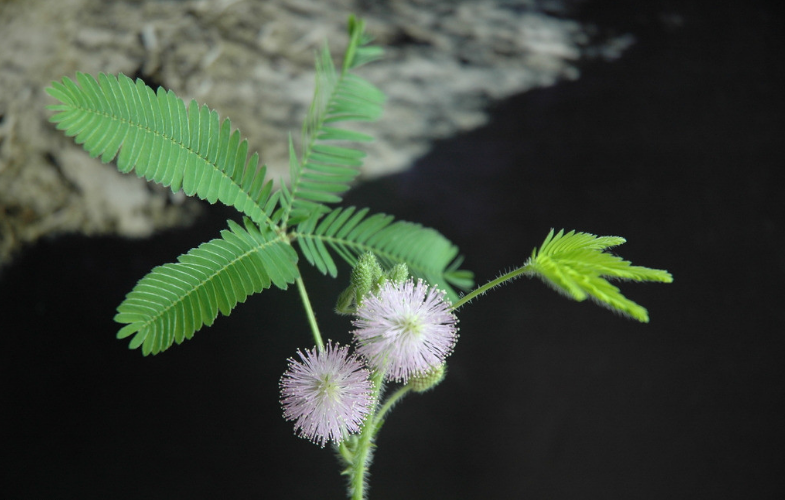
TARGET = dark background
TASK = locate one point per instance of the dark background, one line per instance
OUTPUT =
(677, 147)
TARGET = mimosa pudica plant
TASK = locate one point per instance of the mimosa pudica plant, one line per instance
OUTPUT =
(406, 283)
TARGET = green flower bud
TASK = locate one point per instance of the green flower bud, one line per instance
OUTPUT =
(428, 380)
(398, 274)
(365, 275)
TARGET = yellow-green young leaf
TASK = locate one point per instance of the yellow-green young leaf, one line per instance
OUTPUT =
(576, 265)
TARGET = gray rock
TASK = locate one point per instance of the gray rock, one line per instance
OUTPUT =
(253, 62)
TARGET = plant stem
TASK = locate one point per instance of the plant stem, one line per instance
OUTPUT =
(362, 455)
(397, 395)
(309, 313)
(515, 273)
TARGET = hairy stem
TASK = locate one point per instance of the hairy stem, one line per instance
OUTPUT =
(317, 336)
(391, 401)
(362, 456)
(515, 273)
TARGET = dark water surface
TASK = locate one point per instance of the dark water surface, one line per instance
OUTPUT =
(678, 147)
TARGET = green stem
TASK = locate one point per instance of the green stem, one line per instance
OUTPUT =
(309, 313)
(515, 273)
(362, 455)
(391, 401)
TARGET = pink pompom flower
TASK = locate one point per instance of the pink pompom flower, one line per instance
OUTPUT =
(327, 393)
(405, 330)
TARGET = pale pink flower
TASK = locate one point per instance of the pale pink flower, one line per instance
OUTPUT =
(328, 394)
(405, 330)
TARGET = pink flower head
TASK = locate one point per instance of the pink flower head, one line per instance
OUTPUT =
(405, 330)
(327, 393)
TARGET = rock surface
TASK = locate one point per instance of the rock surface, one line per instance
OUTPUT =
(253, 62)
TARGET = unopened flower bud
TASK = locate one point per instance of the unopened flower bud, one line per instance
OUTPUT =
(428, 380)
(365, 276)
(398, 274)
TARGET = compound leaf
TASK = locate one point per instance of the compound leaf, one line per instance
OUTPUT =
(350, 233)
(165, 142)
(175, 300)
(324, 171)
(576, 265)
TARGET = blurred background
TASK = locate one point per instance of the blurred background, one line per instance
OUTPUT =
(674, 141)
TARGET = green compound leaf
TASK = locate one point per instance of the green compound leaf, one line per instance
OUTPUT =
(324, 170)
(188, 147)
(154, 133)
(350, 233)
(175, 300)
(576, 265)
